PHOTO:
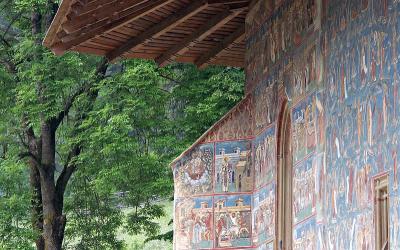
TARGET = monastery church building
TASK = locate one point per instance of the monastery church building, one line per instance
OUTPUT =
(309, 159)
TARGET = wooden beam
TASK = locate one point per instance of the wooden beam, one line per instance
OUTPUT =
(229, 41)
(52, 32)
(238, 6)
(227, 1)
(253, 3)
(158, 29)
(80, 4)
(200, 34)
(98, 28)
(84, 7)
(79, 9)
(75, 23)
(101, 11)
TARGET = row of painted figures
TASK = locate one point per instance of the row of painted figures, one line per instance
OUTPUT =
(225, 221)
(360, 102)
(233, 166)
(229, 221)
(221, 221)
(276, 36)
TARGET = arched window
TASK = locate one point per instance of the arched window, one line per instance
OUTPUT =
(284, 185)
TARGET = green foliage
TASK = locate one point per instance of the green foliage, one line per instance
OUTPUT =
(129, 138)
(128, 132)
(54, 77)
(125, 140)
(131, 135)
(27, 4)
(15, 228)
(205, 97)
(93, 217)
(168, 236)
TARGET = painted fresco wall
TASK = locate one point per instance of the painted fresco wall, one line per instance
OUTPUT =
(214, 184)
(361, 84)
(337, 62)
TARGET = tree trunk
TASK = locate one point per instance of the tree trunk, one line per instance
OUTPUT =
(51, 191)
(34, 182)
(35, 148)
(37, 209)
(53, 219)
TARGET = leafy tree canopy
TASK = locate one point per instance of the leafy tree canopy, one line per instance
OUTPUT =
(96, 137)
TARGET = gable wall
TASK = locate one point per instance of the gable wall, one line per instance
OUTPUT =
(335, 64)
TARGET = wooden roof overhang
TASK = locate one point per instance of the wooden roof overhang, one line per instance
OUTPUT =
(202, 32)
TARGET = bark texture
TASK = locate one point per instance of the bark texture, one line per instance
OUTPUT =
(47, 192)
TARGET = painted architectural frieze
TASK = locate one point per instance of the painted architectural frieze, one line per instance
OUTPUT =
(395, 221)
(365, 232)
(304, 197)
(269, 42)
(264, 108)
(266, 246)
(236, 124)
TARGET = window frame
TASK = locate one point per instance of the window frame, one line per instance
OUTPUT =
(381, 183)
(284, 216)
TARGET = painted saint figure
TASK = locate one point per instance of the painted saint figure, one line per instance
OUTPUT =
(225, 174)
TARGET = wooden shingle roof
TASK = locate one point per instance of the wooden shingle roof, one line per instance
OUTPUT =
(202, 32)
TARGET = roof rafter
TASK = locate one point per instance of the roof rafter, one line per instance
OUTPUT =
(228, 42)
(160, 28)
(227, 1)
(103, 26)
(75, 23)
(200, 34)
(80, 7)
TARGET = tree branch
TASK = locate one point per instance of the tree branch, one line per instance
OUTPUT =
(10, 66)
(27, 154)
(52, 10)
(4, 148)
(30, 133)
(168, 77)
(68, 170)
(33, 143)
(70, 166)
(100, 73)
(23, 142)
(67, 106)
(15, 18)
